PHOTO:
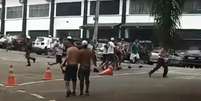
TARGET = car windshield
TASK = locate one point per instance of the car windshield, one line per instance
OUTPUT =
(193, 52)
(40, 39)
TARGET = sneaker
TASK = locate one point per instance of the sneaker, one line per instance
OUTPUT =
(73, 94)
(81, 93)
(149, 74)
(87, 93)
(34, 60)
(96, 70)
(68, 93)
(129, 67)
(28, 65)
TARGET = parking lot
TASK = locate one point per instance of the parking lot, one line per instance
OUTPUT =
(132, 84)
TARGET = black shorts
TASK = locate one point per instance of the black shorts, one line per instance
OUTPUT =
(71, 72)
(104, 58)
(84, 72)
(59, 59)
(111, 58)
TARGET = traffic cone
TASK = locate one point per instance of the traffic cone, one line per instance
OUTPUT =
(48, 74)
(108, 71)
(11, 77)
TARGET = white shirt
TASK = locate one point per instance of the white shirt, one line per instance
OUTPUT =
(89, 46)
(111, 47)
(59, 49)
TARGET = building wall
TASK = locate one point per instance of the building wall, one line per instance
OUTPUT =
(188, 21)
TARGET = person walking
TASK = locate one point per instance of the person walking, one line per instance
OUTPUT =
(71, 67)
(104, 57)
(162, 61)
(28, 49)
(85, 57)
(110, 52)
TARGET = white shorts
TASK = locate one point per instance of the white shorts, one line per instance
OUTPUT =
(132, 56)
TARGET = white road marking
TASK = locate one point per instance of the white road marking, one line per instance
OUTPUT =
(182, 73)
(93, 77)
(21, 91)
(38, 96)
(30, 83)
(52, 100)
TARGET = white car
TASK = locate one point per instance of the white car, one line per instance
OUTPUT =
(154, 55)
(43, 44)
(2, 42)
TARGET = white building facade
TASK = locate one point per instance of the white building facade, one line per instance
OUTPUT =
(129, 19)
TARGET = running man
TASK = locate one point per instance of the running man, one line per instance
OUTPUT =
(59, 52)
(71, 67)
(111, 52)
(28, 49)
(162, 61)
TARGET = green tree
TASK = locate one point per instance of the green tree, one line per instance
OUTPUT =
(167, 19)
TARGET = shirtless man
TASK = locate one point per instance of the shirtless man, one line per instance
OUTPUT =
(71, 67)
(85, 57)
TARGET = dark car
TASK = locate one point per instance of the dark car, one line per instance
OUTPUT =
(192, 58)
(176, 58)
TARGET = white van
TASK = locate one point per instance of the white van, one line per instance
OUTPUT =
(43, 44)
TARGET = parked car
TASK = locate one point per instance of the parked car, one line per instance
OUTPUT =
(99, 50)
(192, 58)
(154, 55)
(43, 44)
(176, 58)
(3, 42)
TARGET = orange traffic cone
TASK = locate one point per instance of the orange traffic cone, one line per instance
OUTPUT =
(48, 74)
(11, 77)
(107, 71)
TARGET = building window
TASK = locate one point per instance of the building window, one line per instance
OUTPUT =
(62, 34)
(68, 9)
(39, 10)
(14, 12)
(106, 7)
(38, 33)
(140, 6)
(192, 7)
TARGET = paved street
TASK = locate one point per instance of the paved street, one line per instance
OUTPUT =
(182, 84)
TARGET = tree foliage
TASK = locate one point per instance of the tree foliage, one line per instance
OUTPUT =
(167, 19)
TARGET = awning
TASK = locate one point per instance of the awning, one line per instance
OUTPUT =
(103, 25)
(138, 25)
(190, 34)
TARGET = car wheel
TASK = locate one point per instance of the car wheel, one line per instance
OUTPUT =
(150, 63)
(191, 66)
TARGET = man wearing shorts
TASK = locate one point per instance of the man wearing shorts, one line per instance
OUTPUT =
(59, 52)
(71, 66)
(85, 57)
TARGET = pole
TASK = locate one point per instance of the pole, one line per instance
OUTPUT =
(96, 18)
(51, 27)
(3, 2)
(24, 21)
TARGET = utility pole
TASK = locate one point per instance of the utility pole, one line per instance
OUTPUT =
(24, 19)
(3, 2)
(96, 18)
(51, 27)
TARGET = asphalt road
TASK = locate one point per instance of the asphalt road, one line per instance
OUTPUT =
(182, 84)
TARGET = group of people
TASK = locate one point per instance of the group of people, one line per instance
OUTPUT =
(80, 58)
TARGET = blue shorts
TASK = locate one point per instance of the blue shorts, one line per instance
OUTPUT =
(71, 72)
